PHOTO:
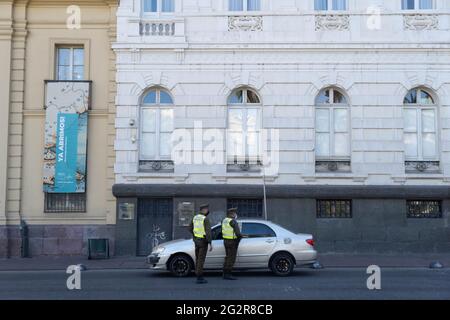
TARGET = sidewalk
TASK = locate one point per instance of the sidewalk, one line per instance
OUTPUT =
(327, 260)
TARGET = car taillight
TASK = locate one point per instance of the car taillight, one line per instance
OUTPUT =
(310, 242)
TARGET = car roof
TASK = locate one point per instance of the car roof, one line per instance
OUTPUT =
(255, 220)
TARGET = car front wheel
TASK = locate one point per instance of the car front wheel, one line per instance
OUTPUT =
(282, 264)
(180, 265)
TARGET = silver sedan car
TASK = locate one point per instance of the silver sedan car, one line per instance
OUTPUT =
(265, 245)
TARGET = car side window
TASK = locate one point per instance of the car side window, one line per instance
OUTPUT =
(216, 233)
(257, 230)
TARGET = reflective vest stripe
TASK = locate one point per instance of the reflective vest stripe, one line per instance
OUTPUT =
(199, 226)
(227, 229)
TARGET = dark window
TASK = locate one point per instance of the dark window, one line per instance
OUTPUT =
(330, 209)
(257, 230)
(247, 208)
(65, 202)
(216, 233)
(423, 209)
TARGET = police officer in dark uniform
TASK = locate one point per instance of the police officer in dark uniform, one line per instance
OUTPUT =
(231, 235)
(200, 228)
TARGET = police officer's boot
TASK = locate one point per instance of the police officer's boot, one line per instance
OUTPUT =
(228, 276)
(201, 280)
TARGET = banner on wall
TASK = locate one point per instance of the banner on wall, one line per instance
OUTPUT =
(65, 152)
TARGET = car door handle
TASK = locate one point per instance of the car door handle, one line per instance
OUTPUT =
(270, 241)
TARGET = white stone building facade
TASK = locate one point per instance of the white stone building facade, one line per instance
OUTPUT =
(355, 93)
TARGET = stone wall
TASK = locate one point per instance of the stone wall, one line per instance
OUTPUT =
(53, 240)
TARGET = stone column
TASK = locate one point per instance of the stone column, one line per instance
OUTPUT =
(6, 21)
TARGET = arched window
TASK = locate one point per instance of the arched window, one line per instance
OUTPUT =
(420, 126)
(156, 125)
(332, 125)
(244, 126)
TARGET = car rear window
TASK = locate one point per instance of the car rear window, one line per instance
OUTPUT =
(257, 230)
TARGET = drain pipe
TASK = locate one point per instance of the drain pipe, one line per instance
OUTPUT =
(264, 193)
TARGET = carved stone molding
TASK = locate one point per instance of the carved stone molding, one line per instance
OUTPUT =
(245, 23)
(420, 21)
(156, 166)
(329, 22)
(422, 167)
(333, 166)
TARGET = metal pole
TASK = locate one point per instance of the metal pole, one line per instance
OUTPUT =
(264, 191)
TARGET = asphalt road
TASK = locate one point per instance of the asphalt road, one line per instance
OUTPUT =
(330, 283)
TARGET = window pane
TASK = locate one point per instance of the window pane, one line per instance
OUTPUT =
(78, 56)
(236, 144)
(235, 119)
(322, 144)
(78, 73)
(411, 120)
(64, 73)
(166, 120)
(339, 4)
(324, 97)
(407, 4)
(425, 98)
(322, 120)
(149, 120)
(236, 5)
(253, 5)
(341, 145)
(236, 97)
(165, 145)
(252, 97)
(252, 119)
(320, 4)
(165, 98)
(150, 5)
(150, 98)
(168, 6)
(428, 121)
(252, 144)
(426, 4)
(429, 145)
(63, 56)
(410, 145)
(340, 120)
(148, 145)
(411, 97)
(338, 97)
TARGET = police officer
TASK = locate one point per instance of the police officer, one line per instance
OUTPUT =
(231, 237)
(200, 228)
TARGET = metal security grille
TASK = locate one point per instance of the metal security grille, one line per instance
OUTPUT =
(330, 209)
(423, 209)
(65, 202)
(247, 208)
(155, 223)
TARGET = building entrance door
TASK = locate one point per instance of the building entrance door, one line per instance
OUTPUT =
(155, 218)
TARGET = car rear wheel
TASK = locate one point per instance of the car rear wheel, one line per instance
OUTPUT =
(180, 265)
(282, 264)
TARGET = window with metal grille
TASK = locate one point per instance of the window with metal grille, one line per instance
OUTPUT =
(247, 208)
(423, 209)
(331, 209)
(65, 202)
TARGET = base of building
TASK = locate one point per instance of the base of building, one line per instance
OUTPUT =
(379, 222)
(57, 240)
